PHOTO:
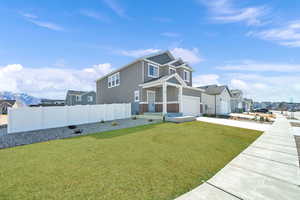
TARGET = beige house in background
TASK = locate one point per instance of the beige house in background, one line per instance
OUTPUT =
(216, 100)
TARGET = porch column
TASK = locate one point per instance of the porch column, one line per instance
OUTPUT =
(164, 96)
(180, 99)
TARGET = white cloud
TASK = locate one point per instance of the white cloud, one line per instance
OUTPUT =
(205, 79)
(50, 82)
(170, 34)
(29, 15)
(45, 24)
(117, 8)
(225, 11)
(191, 56)
(261, 67)
(48, 25)
(95, 15)
(138, 52)
(288, 35)
(265, 87)
(238, 84)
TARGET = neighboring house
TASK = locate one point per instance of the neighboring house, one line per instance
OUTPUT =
(153, 83)
(216, 100)
(236, 101)
(247, 105)
(80, 98)
(50, 102)
(5, 104)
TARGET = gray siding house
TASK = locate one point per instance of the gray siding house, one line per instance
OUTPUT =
(80, 98)
(153, 83)
(236, 101)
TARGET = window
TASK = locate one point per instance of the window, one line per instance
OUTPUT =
(186, 75)
(114, 80)
(136, 96)
(78, 98)
(90, 98)
(153, 71)
(172, 70)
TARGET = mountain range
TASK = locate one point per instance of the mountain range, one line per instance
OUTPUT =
(23, 97)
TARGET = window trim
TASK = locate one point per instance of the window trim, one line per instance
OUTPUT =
(188, 75)
(112, 80)
(155, 66)
(136, 94)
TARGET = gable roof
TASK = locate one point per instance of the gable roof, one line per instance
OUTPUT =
(77, 92)
(236, 93)
(160, 58)
(214, 89)
(165, 78)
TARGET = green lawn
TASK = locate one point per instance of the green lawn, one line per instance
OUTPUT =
(159, 161)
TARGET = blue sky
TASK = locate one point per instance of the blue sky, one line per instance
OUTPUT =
(47, 47)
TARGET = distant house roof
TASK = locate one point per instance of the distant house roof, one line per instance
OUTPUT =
(76, 92)
(9, 102)
(236, 93)
(214, 89)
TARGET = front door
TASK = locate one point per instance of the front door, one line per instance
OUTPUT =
(151, 101)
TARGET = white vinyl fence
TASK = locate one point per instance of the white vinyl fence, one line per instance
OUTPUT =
(37, 118)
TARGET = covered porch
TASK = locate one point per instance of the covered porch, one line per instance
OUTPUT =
(164, 95)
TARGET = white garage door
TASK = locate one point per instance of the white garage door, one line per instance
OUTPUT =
(191, 105)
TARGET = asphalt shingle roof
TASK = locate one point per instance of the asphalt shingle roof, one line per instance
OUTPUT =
(213, 89)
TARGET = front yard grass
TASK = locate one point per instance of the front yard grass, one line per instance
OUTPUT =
(157, 162)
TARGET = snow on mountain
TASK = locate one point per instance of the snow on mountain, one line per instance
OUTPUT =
(24, 98)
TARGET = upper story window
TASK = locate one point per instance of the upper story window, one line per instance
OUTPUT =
(136, 96)
(186, 75)
(90, 98)
(172, 70)
(153, 71)
(114, 80)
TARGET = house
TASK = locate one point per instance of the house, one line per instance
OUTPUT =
(236, 101)
(5, 104)
(247, 105)
(80, 98)
(154, 83)
(216, 100)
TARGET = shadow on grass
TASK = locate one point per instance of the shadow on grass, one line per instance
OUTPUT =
(118, 132)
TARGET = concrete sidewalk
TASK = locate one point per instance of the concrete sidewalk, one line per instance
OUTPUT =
(236, 123)
(267, 169)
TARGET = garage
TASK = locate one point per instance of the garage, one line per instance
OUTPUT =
(191, 105)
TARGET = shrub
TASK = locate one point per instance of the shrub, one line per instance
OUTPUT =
(150, 120)
(102, 121)
(114, 124)
(133, 118)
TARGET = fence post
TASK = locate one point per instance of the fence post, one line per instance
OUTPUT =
(9, 121)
